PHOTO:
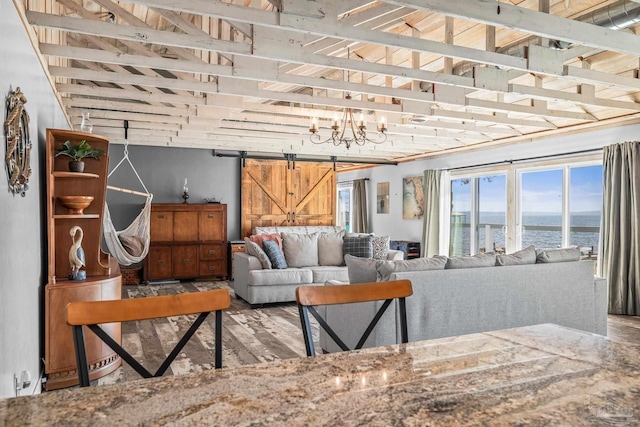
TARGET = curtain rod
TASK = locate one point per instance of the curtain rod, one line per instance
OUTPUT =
(350, 181)
(508, 162)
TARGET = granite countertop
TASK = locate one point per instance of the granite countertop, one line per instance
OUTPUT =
(538, 375)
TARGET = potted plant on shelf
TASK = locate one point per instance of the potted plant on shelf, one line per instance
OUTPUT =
(77, 152)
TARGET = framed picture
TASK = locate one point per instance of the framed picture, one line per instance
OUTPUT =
(382, 199)
(412, 198)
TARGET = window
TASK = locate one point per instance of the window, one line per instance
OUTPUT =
(460, 234)
(478, 215)
(344, 214)
(541, 214)
(554, 206)
(585, 208)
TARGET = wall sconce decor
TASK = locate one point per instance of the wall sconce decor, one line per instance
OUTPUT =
(18, 145)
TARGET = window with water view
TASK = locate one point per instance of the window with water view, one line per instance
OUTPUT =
(546, 218)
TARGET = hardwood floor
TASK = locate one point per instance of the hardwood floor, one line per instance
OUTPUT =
(249, 335)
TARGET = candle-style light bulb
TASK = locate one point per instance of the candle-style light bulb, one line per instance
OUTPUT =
(361, 120)
(382, 126)
(314, 125)
(185, 187)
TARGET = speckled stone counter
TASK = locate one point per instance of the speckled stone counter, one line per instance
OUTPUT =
(538, 375)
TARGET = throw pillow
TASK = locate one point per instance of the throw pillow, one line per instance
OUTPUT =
(380, 247)
(259, 238)
(132, 244)
(385, 268)
(300, 250)
(481, 260)
(361, 246)
(525, 256)
(361, 270)
(275, 255)
(252, 248)
(330, 250)
(544, 256)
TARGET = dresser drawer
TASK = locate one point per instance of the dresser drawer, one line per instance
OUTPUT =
(213, 268)
(212, 251)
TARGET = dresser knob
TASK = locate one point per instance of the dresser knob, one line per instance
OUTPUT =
(160, 261)
(186, 261)
(212, 252)
(212, 267)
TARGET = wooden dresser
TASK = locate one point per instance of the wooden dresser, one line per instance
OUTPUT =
(188, 241)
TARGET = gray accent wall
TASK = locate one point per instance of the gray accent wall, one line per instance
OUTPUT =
(163, 171)
(23, 260)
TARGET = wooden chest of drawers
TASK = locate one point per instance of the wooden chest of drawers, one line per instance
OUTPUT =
(188, 241)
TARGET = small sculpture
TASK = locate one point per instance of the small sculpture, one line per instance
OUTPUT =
(76, 255)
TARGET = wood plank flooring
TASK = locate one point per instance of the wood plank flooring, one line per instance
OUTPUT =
(249, 335)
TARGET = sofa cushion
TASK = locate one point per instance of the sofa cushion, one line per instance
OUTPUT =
(361, 270)
(557, 255)
(322, 274)
(275, 255)
(259, 238)
(252, 248)
(385, 268)
(360, 246)
(300, 250)
(380, 247)
(525, 256)
(330, 251)
(289, 276)
(480, 260)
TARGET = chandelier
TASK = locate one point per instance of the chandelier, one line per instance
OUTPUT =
(356, 130)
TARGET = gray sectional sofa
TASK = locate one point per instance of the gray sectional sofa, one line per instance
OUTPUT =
(258, 286)
(461, 301)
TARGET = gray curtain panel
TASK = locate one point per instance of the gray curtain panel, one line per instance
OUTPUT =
(360, 214)
(431, 221)
(620, 227)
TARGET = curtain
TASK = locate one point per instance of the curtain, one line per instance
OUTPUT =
(430, 245)
(360, 214)
(620, 227)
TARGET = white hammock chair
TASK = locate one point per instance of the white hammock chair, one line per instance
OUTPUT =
(136, 236)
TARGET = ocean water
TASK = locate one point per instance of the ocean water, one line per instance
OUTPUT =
(540, 230)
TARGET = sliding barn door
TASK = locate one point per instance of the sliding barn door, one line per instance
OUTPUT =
(314, 194)
(276, 194)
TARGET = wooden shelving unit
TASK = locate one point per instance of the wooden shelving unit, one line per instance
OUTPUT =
(103, 280)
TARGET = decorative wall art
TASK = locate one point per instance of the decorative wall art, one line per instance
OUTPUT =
(382, 199)
(18, 145)
(412, 198)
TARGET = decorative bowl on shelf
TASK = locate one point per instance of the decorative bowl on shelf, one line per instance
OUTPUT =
(76, 204)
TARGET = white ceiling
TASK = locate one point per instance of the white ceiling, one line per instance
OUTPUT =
(248, 75)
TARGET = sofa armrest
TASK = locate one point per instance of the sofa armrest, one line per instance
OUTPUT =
(395, 255)
(601, 304)
(244, 261)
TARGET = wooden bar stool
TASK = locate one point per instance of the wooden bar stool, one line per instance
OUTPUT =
(94, 313)
(310, 296)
